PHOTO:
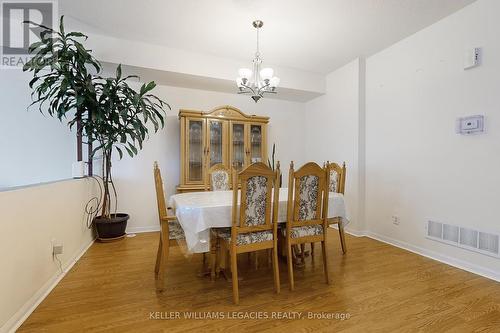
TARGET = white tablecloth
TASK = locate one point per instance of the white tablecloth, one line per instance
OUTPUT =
(198, 212)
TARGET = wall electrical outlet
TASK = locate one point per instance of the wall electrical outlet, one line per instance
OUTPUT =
(395, 219)
(57, 249)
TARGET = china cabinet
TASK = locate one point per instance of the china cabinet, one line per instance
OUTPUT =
(224, 135)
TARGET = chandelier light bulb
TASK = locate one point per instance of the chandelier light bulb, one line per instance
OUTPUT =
(274, 82)
(245, 73)
(266, 73)
(239, 82)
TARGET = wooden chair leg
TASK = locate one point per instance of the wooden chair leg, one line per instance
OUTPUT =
(276, 269)
(164, 257)
(213, 256)
(228, 259)
(234, 274)
(302, 252)
(289, 260)
(312, 250)
(325, 261)
(342, 238)
(158, 258)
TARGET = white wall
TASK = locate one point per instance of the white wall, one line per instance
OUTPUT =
(392, 119)
(134, 177)
(34, 148)
(31, 218)
(417, 167)
(332, 131)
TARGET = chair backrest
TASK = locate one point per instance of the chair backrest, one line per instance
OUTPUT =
(256, 198)
(307, 195)
(218, 178)
(160, 193)
(337, 177)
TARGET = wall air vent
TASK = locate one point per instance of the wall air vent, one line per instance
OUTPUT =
(435, 229)
(466, 238)
(488, 242)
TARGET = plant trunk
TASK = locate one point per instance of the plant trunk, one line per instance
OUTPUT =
(79, 135)
(107, 181)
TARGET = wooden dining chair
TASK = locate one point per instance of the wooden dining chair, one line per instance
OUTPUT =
(337, 185)
(255, 226)
(218, 178)
(170, 229)
(307, 210)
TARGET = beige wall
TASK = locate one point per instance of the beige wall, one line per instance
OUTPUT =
(30, 219)
(134, 176)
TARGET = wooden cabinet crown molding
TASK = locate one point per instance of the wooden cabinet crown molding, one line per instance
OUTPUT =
(223, 112)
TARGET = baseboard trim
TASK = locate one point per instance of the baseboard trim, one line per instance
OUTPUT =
(27, 309)
(461, 264)
(139, 230)
(352, 232)
(464, 265)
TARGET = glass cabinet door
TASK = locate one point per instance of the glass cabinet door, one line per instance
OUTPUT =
(238, 146)
(256, 144)
(195, 149)
(216, 142)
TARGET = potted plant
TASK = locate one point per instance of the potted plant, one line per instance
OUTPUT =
(271, 163)
(105, 110)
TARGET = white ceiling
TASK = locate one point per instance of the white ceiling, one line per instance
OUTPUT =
(314, 35)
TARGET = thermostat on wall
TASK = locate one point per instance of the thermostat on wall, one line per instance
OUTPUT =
(470, 125)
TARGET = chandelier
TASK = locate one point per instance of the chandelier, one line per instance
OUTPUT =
(257, 82)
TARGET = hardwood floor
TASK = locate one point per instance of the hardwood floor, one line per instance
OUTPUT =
(379, 288)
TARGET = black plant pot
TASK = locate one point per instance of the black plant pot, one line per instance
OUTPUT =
(113, 228)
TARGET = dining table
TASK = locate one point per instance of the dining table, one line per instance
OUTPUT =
(198, 212)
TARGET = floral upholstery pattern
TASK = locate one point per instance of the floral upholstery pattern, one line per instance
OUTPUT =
(255, 212)
(175, 230)
(308, 230)
(220, 180)
(247, 238)
(334, 178)
(308, 197)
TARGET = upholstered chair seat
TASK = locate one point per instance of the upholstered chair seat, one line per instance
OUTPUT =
(175, 231)
(247, 238)
(298, 232)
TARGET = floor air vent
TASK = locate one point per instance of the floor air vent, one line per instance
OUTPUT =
(474, 240)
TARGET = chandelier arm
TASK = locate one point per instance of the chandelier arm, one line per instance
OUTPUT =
(264, 88)
(249, 89)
